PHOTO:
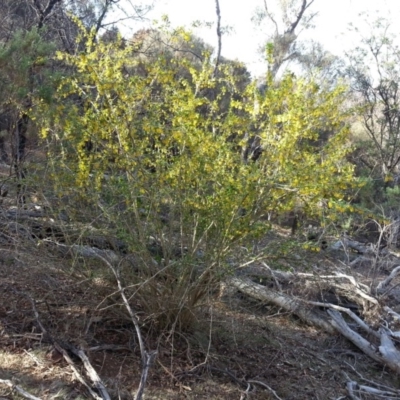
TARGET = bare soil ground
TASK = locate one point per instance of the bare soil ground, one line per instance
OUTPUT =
(236, 340)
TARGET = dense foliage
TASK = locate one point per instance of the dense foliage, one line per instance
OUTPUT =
(159, 158)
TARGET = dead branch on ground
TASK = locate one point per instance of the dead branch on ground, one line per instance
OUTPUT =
(147, 356)
(19, 390)
(98, 384)
(379, 346)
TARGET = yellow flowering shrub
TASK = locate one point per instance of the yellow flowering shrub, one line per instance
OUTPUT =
(161, 160)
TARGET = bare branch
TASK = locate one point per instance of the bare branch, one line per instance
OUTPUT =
(147, 357)
(386, 282)
(219, 34)
(300, 15)
(103, 14)
(98, 384)
(97, 381)
(78, 375)
(18, 389)
(266, 386)
(271, 17)
(43, 14)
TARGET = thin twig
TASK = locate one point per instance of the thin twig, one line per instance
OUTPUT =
(266, 386)
(147, 357)
(61, 350)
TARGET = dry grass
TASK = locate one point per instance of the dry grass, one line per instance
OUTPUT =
(233, 340)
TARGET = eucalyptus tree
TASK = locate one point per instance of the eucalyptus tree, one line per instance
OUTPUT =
(283, 20)
(374, 72)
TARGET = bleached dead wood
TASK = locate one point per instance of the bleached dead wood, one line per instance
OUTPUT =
(385, 353)
(372, 388)
(266, 386)
(389, 352)
(61, 350)
(273, 274)
(357, 289)
(350, 313)
(19, 390)
(363, 344)
(288, 303)
(359, 260)
(86, 251)
(94, 252)
(147, 356)
(392, 312)
(382, 286)
(92, 374)
(353, 387)
(345, 244)
(78, 375)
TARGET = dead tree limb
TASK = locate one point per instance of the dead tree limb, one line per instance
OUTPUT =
(373, 388)
(219, 35)
(382, 286)
(91, 372)
(385, 354)
(357, 288)
(361, 248)
(378, 344)
(78, 375)
(392, 312)
(147, 357)
(281, 300)
(350, 313)
(389, 352)
(99, 385)
(19, 390)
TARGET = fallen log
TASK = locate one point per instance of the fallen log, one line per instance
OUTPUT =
(332, 320)
(286, 302)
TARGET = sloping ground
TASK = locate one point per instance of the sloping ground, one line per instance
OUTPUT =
(237, 341)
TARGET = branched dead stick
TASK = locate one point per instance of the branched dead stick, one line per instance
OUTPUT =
(246, 392)
(63, 351)
(266, 386)
(352, 281)
(379, 385)
(98, 384)
(351, 386)
(18, 389)
(77, 373)
(385, 283)
(363, 344)
(244, 382)
(350, 313)
(147, 357)
(278, 285)
(37, 316)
